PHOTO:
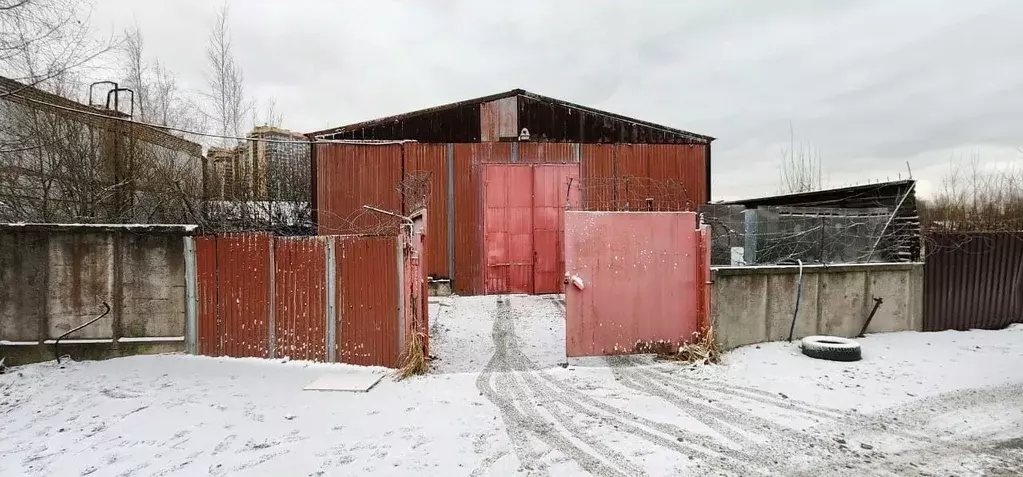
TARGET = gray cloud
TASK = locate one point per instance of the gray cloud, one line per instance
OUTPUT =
(872, 84)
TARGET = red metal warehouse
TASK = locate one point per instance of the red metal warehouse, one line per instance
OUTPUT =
(499, 167)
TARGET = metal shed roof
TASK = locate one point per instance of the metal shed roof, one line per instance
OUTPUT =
(508, 94)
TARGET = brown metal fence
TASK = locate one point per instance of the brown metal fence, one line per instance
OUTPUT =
(325, 298)
(973, 280)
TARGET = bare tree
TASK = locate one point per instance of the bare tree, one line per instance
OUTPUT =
(271, 116)
(229, 106)
(43, 39)
(974, 197)
(801, 169)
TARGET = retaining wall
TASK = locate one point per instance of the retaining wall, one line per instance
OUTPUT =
(755, 304)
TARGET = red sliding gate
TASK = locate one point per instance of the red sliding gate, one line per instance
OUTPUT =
(523, 223)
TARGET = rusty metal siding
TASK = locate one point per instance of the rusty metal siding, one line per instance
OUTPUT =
(597, 172)
(300, 300)
(243, 294)
(350, 176)
(499, 119)
(972, 280)
(206, 278)
(468, 279)
(684, 165)
(494, 152)
(546, 153)
(432, 158)
(643, 281)
(367, 300)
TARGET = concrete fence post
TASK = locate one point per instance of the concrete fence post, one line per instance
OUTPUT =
(271, 313)
(191, 299)
(332, 315)
(400, 241)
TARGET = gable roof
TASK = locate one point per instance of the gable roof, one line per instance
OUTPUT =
(508, 94)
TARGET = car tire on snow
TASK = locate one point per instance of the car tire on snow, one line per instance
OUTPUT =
(831, 348)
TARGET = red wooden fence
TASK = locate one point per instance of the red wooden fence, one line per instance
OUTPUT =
(324, 298)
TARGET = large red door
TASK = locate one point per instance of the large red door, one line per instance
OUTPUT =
(508, 228)
(551, 193)
(524, 208)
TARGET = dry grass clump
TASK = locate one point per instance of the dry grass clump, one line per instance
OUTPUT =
(412, 361)
(702, 349)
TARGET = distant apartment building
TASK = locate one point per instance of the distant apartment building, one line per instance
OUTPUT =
(272, 164)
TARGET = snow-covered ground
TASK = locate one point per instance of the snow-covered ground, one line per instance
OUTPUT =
(503, 400)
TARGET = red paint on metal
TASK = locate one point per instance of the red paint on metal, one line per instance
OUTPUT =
(300, 300)
(243, 294)
(492, 152)
(432, 158)
(684, 165)
(551, 193)
(468, 279)
(367, 300)
(643, 281)
(597, 169)
(349, 176)
(206, 287)
(508, 228)
(545, 153)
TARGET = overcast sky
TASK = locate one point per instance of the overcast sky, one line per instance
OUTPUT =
(871, 84)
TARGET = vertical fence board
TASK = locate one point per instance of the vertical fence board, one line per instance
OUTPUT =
(301, 298)
(972, 280)
(243, 289)
(367, 300)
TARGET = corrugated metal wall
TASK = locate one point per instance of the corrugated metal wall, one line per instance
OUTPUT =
(973, 280)
(468, 279)
(367, 300)
(352, 175)
(252, 302)
(243, 295)
(432, 159)
(300, 298)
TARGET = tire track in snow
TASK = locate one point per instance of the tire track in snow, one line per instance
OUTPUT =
(554, 392)
(753, 394)
(507, 392)
(780, 443)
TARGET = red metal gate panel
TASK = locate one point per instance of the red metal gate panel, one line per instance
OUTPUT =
(367, 300)
(300, 298)
(243, 295)
(643, 281)
(550, 195)
(508, 228)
